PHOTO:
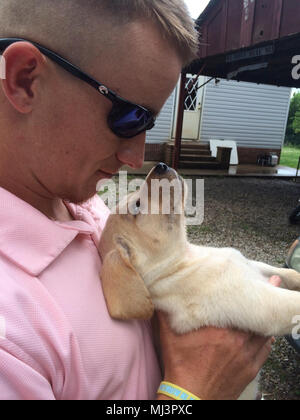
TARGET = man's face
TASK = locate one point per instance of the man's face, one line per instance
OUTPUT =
(74, 146)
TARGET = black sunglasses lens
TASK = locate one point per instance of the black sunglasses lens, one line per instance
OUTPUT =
(129, 121)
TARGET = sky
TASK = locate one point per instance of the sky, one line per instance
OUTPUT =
(196, 6)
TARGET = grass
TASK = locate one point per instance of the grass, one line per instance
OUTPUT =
(290, 156)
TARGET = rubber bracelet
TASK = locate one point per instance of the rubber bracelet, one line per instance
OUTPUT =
(175, 392)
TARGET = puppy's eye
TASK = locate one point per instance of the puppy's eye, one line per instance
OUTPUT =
(135, 208)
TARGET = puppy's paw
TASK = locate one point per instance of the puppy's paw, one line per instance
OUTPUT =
(292, 280)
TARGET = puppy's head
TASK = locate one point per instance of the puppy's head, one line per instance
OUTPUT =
(145, 229)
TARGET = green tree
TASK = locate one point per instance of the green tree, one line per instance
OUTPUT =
(293, 125)
(296, 123)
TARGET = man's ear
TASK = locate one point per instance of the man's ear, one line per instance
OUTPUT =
(124, 290)
(23, 62)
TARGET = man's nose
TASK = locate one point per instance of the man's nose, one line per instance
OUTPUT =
(132, 151)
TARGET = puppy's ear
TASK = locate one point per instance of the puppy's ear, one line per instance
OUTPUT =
(124, 290)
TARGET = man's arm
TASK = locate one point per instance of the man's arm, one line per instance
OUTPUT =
(214, 364)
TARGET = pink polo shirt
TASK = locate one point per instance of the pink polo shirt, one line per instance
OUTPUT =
(57, 341)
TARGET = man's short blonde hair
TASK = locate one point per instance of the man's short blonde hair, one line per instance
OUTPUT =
(69, 25)
(171, 16)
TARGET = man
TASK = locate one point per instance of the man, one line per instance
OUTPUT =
(59, 137)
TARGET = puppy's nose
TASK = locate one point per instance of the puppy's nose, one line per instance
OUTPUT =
(161, 169)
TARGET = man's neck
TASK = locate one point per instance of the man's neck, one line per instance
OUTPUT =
(54, 209)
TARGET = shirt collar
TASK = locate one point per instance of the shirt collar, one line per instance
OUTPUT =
(29, 239)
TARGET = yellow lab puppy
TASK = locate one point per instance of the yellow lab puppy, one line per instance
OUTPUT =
(149, 264)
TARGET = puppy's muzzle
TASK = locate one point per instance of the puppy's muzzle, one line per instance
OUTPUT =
(161, 169)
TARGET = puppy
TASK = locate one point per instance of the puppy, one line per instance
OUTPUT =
(149, 264)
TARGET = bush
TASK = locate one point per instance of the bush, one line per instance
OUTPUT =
(292, 140)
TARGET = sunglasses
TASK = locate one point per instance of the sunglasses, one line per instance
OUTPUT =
(126, 119)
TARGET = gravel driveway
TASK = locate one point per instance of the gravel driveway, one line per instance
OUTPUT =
(252, 215)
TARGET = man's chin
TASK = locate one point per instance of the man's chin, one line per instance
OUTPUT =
(89, 190)
(79, 199)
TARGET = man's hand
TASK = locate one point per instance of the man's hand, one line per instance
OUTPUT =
(214, 364)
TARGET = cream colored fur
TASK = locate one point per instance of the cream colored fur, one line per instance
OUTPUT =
(152, 265)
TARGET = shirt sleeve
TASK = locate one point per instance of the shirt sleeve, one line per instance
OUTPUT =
(39, 354)
(20, 381)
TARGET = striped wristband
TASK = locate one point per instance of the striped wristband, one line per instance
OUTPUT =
(175, 392)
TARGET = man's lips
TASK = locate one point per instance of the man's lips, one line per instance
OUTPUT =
(107, 174)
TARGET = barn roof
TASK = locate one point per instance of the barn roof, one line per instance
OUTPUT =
(250, 40)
